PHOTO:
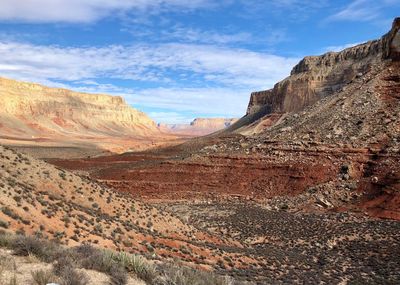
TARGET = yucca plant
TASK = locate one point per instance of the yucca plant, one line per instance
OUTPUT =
(133, 264)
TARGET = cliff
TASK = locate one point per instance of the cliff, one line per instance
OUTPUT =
(316, 77)
(35, 112)
(198, 127)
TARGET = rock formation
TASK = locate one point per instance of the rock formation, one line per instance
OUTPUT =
(198, 127)
(316, 77)
(35, 112)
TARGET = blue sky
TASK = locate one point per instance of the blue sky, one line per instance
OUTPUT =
(178, 59)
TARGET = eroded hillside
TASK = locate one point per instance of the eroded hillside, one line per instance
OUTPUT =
(42, 200)
(33, 114)
(318, 77)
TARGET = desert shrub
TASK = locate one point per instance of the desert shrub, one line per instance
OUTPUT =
(43, 277)
(7, 211)
(6, 239)
(134, 264)
(183, 275)
(118, 275)
(3, 224)
(44, 250)
(95, 259)
(64, 259)
(70, 276)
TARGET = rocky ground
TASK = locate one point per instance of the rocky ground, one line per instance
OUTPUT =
(298, 248)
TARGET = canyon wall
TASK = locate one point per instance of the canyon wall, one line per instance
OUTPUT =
(316, 77)
(34, 112)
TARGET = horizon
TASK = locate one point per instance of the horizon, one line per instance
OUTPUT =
(174, 60)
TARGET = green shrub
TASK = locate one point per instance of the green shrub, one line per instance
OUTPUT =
(133, 264)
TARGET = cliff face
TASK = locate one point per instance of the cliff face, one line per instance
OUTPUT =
(316, 77)
(198, 127)
(32, 111)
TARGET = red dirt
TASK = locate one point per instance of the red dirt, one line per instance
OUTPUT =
(281, 171)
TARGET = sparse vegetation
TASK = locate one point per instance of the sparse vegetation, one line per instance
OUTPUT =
(46, 251)
(43, 277)
(7, 211)
(3, 224)
(117, 265)
(133, 264)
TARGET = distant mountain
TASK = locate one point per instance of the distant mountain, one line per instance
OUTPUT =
(198, 127)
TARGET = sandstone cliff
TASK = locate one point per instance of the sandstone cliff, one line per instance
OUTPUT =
(35, 112)
(316, 77)
(198, 127)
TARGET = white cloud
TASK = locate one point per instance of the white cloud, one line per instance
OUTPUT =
(362, 10)
(291, 10)
(72, 11)
(190, 35)
(156, 63)
(357, 10)
(170, 117)
(192, 78)
(339, 47)
(214, 102)
(224, 100)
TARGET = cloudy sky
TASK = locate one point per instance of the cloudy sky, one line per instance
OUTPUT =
(178, 59)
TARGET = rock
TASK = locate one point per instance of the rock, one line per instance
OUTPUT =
(34, 111)
(317, 77)
(323, 202)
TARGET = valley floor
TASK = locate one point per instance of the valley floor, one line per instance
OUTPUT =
(299, 248)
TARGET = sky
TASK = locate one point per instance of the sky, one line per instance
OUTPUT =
(178, 60)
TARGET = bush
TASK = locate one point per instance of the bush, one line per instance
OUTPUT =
(183, 276)
(7, 211)
(44, 250)
(95, 259)
(65, 259)
(114, 264)
(4, 224)
(134, 264)
(118, 275)
(6, 239)
(70, 276)
(43, 277)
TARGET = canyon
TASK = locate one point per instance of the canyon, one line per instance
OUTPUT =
(55, 117)
(305, 188)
